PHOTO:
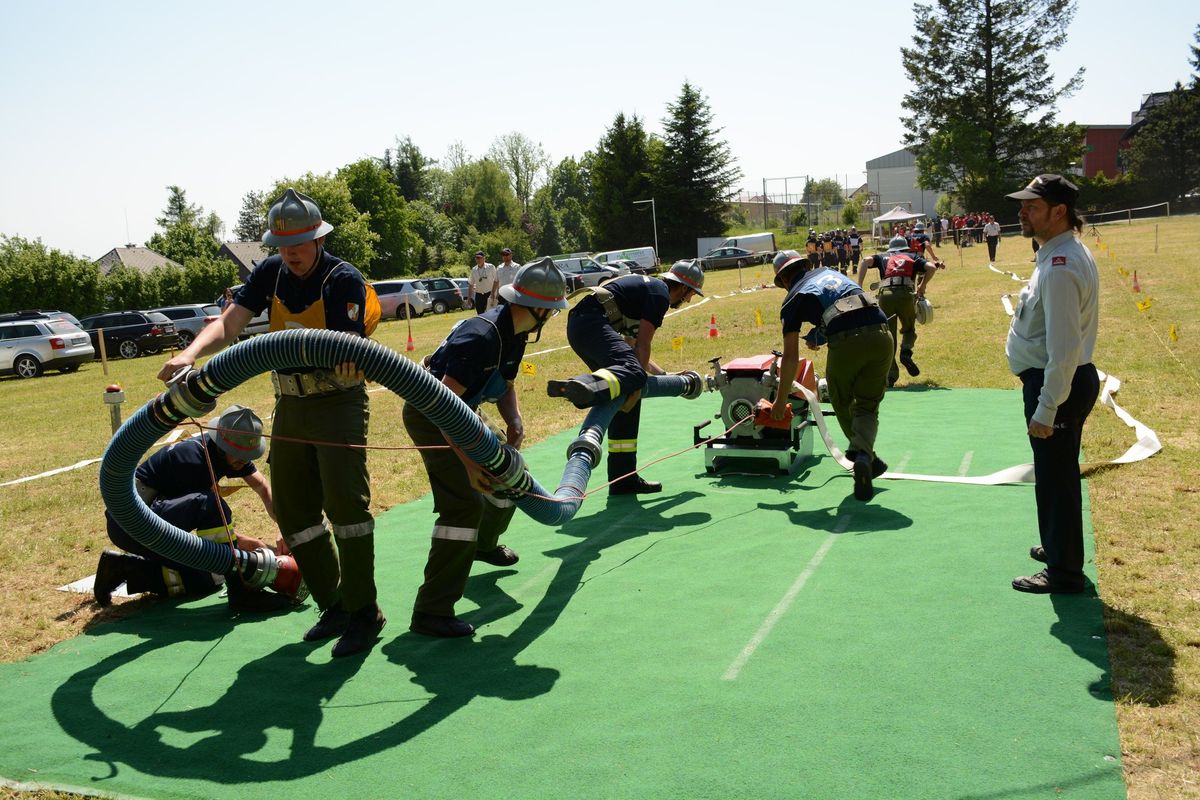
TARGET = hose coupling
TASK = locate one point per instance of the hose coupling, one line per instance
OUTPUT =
(514, 480)
(695, 385)
(186, 396)
(587, 442)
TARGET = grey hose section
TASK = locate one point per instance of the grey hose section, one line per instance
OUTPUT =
(197, 395)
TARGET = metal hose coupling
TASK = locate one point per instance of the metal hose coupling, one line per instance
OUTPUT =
(695, 385)
(512, 479)
(588, 443)
(188, 394)
(264, 568)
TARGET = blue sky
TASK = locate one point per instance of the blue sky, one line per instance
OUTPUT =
(108, 103)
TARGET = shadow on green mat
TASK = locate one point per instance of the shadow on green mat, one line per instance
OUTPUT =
(284, 691)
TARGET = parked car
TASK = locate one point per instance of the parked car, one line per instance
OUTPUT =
(464, 286)
(40, 313)
(190, 319)
(129, 334)
(643, 256)
(30, 345)
(723, 257)
(444, 294)
(260, 323)
(591, 273)
(402, 299)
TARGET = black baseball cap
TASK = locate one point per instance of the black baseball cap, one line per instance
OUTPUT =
(1051, 188)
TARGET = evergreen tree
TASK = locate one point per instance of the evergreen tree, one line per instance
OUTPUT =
(1164, 153)
(409, 169)
(694, 176)
(1195, 58)
(252, 219)
(186, 231)
(981, 114)
(619, 174)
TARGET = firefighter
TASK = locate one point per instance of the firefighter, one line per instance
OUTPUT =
(612, 330)
(478, 361)
(903, 278)
(176, 484)
(854, 239)
(852, 324)
(305, 286)
(812, 248)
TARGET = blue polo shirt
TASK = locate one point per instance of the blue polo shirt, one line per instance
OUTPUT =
(641, 297)
(181, 468)
(477, 348)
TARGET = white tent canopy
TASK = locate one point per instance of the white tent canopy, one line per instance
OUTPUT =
(897, 214)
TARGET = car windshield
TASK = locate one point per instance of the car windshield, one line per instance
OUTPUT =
(62, 326)
(212, 310)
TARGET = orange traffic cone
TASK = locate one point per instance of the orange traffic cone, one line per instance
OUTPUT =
(712, 327)
(1136, 288)
(410, 347)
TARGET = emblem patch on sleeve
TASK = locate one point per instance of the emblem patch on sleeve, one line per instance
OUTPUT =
(352, 311)
(1058, 261)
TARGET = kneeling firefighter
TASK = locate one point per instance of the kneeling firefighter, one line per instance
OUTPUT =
(611, 330)
(850, 322)
(478, 361)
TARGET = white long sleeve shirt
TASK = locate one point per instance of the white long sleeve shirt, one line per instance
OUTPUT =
(1055, 322)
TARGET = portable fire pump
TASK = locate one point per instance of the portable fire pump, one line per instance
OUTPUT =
(753, 442)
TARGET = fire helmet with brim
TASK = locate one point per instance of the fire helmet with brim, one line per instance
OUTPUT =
(786, 263)
(294, 219)
(687, 273)
(538, 284)
(897, 244)
(238, 433)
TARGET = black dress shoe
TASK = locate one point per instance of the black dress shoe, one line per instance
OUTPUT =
(114, 569)
(362, 631)
(1042, 583)
(863, 489)
(499, 556)
(635, 485)
(333, 622)
(442, 627)
(1037, 553)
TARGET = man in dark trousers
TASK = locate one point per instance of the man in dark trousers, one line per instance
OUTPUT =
(860, 348)
(177, 485)
(903, 276)
(1050, 345)
(314, 475)
(478, 361)
(612, 330)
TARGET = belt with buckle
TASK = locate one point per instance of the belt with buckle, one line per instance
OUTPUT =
(309, 384)
(859, 331)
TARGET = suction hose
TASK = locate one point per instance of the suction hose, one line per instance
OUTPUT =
(194, 393)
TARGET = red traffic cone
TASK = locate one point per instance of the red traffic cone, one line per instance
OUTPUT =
(712, 327)
(410, 347)
(1136, 288)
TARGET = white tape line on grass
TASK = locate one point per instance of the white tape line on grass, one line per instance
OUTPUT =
(77, 465)
(784, 604)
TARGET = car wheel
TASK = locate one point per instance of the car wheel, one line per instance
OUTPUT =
(69, 368)
(185, 338)
(128, 348)
(440, 307)
(27, 366)
(741, 263)
(402, 311)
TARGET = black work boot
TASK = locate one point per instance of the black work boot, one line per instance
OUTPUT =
(113, 570)
(863, 490)
(907, 360)
(584, 391)
(634, 484)
(332, 623)
(499, 556)
(439, 626)
(365, 625)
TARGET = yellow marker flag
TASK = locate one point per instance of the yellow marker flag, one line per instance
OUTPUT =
(757, 318)
(1124, 273)
(677, 343)
(1144, 305)
(1173, 333)
(529, 368)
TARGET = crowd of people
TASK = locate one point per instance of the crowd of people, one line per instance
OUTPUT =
(319, 492)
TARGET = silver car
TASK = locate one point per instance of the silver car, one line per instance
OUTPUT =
(29, 346)
(402, 299)
(190, 319)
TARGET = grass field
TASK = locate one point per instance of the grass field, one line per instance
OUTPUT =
(1147, 545)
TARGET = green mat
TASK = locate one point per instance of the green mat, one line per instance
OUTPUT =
(732, 637)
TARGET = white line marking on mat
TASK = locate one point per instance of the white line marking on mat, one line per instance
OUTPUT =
(903, 462)
(782, 606)
(965, 466)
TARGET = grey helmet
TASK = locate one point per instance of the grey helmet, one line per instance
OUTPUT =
(897, 244)
(919, 227)
(294, 219)
(687, 273)
(786, 262)
(538, 284)
(238, 432)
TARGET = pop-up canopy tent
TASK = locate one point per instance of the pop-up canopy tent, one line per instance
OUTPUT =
(897, 214)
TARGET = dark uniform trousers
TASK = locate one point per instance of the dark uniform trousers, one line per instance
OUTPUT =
(1057, 484)
(856, 373)
(466, 520)
(899, 303)
(992, 241)
(189, 512)
(600, 346)
(307, 479)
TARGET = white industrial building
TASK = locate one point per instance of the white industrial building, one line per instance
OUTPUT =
(893, 180)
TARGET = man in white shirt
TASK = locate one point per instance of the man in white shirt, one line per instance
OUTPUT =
(991, 232)
(481, 281)
(1050, 345)
(505, 273)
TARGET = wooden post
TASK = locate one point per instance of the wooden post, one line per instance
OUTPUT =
(103, 352)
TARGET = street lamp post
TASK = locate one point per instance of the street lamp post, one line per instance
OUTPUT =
(654, 219)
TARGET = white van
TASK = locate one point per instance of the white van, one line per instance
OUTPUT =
(754, 242)
(644, 257)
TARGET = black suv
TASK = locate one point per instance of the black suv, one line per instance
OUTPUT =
(131, 333)
(444, 294)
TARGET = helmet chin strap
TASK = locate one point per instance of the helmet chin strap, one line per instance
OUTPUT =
(541, 322)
